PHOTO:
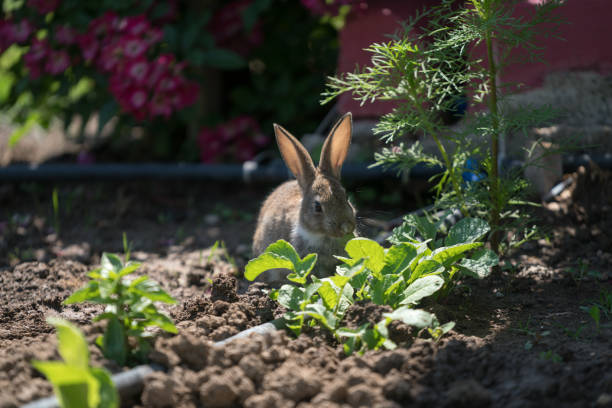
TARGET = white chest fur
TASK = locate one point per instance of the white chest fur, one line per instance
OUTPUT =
(307, 238)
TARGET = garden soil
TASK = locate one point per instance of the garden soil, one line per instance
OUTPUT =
(522, 337)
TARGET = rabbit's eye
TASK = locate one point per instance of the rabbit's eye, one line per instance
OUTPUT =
(317, 206)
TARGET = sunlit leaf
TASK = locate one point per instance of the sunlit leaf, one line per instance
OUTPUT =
(421, 288)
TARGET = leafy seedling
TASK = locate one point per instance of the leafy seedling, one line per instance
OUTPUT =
(551, 356)
(56, 210)
(127, 247)
(130, 309)
(370, 272)
(75, 383)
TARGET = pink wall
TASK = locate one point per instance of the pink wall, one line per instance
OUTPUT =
(587, 44)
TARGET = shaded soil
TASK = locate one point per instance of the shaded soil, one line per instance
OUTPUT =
(522, 338)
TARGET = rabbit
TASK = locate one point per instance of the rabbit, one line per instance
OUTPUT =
(311, 212)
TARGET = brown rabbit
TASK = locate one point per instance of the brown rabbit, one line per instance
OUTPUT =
(312, 212)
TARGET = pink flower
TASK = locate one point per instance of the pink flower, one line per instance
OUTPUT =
(137, 70)
(118, 85)
(239, 138)
(105, 24)
(160, 105)
(210, 147)
(18, 32)
(168, 84)
(34, 58)
(38, 50)
(43, 6)
(135, 25)
(227, 28)
(57, 62)
(153, 36)
(245, 150)
(133, 47)
(160, 68)
(137, 98)
(187, 95)
(89, 45)
(65, 35)
(110, 56)
(133, 101)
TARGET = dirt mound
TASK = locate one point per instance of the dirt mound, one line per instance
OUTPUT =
(33, 290)
(273, 370)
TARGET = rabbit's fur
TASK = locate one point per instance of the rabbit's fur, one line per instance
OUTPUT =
(311, 212)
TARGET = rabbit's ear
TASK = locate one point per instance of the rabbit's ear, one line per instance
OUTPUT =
(295, 156)
(336, 146)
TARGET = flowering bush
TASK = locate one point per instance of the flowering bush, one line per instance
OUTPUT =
(147, 63)
(240, 137)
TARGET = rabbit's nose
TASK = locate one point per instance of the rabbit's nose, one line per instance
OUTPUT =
(347, 227)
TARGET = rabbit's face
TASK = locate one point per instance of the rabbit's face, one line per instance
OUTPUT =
(326, 209)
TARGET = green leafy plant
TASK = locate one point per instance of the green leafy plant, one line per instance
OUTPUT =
(56, 210)
(127, 247)
(399, 276)
(595, 314)
(600, 309)
(429, 75)
(551, 356)
(130, 308)
(75, 382)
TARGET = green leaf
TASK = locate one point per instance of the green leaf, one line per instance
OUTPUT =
(413, 317)
(137, 281)
(111, 262)
(398, 258)
(340, 281)
(449, 254)
(129, 268)
(290, 297)
(378, 288)
(374, 254)
(403, 233)
(466, 230)
(351, 271)
(348, 332)
(421, 288)
(303, 269)
(426, 267)
(114, 342)
(109, 397)
(107, 287)
(70, 384)
(329, 295)
(480, 264)
(321, 314)
(71, 343)
(87, 293)
(7, 79)
(424, 226)
(265, 262)
(33, 119)
(311, 289)
(285, 250)
(163, 322)
(151, 290)
(223, 59)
